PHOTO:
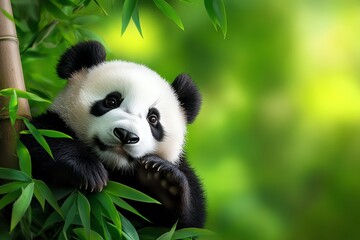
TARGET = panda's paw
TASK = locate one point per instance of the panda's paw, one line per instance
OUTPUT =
(164, 181)
(92, 176)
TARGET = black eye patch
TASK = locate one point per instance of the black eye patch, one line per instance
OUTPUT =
(156, 129)
(111, 101)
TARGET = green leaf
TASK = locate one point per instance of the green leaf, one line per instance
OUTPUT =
(127, 12)
(129, 230)
(97, 214)
(24, 158)
(39, 138)
(12, 174)
(169, 11)
(51, 220)
(8, 198)
(101, 7)
(21, 205)
(46, 193)
(44, 33)
(114, 231)
(69, 217)
(54, 10)
(84, 212)
(121, 190)
(40, 197)
(191, 232)
(49, 133)
(217, 12)
(136, 19)
(22, 94)
(168, 235)
(13, 107)
(68, 203)
(121, 203)
(82, 235)
(11, 187)
(110, 209)
(210, 10)
(7, 15)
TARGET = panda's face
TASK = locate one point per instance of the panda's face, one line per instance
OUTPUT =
(123, 111)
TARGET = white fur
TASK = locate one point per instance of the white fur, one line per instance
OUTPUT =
(141, 89)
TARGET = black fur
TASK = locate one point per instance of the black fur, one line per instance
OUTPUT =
(188, 95)
(82, 55)
(75, 165)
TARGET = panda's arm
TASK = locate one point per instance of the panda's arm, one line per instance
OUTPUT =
(73, 165)
(177, 188)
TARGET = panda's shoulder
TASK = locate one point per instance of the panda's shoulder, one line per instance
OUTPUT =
(51, 121)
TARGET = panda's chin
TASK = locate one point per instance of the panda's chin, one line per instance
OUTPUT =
(114, 157)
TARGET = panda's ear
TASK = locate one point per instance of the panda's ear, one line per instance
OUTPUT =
(82, 55)
(188, 95)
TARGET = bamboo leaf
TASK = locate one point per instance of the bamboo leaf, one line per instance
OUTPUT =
(12, 174)
(96, 212)
(191, 233)
(39, 138)
(109, 208)
(127, 12)
(113, 231)
(69, 218)
(169, 11)
(51, 220)
(54, 10)
(217, 13)
(13, 107)
(101, 7)
(121, 203)
(21, 205)
(39, 196)
(49, 133)
(84, 212)
(22, 94)
(121, 190)
(136, 19)
(7, 15)
(46, 193)
(11, 186)
(82, 235)
(8, 198)
(168, 235)
(129, 230)
(24, 157)
(44, 33)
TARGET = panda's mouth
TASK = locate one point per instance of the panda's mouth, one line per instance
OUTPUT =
(118, 149)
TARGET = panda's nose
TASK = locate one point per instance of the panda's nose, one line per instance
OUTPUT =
(125, 136)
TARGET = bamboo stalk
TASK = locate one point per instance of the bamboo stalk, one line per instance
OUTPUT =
(11, 76)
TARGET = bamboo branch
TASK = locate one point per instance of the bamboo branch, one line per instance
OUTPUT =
(11, 76)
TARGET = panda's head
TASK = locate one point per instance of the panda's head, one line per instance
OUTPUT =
(122, 110)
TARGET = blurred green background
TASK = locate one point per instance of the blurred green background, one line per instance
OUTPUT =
(277, 142)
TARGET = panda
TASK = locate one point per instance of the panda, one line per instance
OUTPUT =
(128, 125)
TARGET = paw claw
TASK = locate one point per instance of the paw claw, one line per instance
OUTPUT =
(158, 168)
(154, 165)
(146, 166)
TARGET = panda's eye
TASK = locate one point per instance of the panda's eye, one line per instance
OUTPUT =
(153, 119)
(111, 102)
